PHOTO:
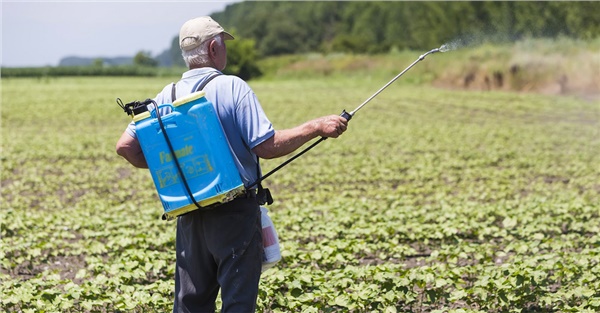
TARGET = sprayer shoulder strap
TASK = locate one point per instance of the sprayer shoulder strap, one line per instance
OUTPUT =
(197, 87)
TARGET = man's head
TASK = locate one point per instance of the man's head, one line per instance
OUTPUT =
(202, 43)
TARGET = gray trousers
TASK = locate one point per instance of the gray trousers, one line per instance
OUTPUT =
(219, 248)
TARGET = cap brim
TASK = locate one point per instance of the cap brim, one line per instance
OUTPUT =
(227, 36)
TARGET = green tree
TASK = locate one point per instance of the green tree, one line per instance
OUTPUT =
(368, 25)
(582, 20)
(360, 28)
(496, 20)
(98, 62)
(143, 58)
(242, 58)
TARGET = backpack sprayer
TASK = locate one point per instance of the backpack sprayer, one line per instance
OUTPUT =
(189, 156)
(348, 115)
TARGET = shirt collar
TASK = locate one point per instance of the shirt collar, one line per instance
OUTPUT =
(199, 72)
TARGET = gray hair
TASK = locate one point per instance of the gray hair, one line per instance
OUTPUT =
(199, 55)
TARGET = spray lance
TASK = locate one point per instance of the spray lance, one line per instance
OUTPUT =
(348, 115)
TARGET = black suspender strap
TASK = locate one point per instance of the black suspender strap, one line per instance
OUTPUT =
(197, 86)
(205, 82)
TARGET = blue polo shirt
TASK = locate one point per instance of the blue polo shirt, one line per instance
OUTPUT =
(242, 117)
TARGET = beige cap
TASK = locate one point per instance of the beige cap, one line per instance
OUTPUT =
(200, 29)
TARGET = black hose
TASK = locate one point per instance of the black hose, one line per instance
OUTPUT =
(179, 170)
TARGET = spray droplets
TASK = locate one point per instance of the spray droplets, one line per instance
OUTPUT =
(458, 43)
(449, 46)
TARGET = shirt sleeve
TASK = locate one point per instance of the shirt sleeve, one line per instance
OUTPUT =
(252, 121)
(131, 130)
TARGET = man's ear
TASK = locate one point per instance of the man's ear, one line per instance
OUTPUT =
(212, 47)
(212, 51)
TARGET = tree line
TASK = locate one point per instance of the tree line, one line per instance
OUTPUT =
(284, 27)
(270, 28)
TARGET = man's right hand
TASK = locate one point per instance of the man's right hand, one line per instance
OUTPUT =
(330, 126)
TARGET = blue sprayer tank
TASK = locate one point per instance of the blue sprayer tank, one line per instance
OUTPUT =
(202, 151)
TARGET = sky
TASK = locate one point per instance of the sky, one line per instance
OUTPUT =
(41, 33)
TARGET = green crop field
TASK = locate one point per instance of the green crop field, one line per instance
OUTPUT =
(433, 201)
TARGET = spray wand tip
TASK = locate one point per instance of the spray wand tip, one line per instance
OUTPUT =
(448, 46)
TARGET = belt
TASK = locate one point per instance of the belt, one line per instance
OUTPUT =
(247, 194)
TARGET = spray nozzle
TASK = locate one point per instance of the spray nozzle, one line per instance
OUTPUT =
(443, 48)
(429, 52)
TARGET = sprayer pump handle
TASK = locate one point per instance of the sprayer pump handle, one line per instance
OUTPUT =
(346, 115)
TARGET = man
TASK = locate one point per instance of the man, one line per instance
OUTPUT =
(222, 247)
